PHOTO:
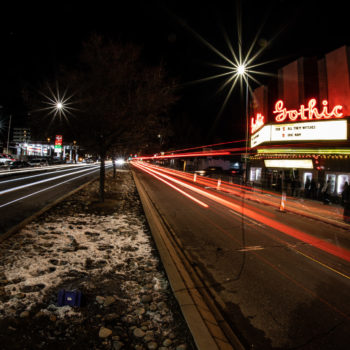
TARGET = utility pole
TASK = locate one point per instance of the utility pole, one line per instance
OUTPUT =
(8, 135)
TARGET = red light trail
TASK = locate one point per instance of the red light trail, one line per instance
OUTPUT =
(252, 213)
(183, 155)
(199, 147)
(172, 186)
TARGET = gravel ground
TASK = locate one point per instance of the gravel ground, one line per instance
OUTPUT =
(106, 251)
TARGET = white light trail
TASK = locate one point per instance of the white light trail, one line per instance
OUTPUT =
(27, 170)
(48, 188)
(40, 182)
(151, 172)
(38, 175)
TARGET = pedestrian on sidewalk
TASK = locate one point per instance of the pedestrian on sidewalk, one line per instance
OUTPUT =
(326, 190)
(313, 189)
(307, 187)
(293, 186)
(296, 187)
(344, 192)
(319, 190)
(345, 196)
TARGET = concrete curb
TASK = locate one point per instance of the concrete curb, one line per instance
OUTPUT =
(199, 316)
(26, 221)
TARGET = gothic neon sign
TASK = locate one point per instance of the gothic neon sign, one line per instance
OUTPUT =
(257, 123)
(306, 113)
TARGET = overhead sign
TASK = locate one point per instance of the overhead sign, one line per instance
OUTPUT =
(289, 163)
(307, 131)
(306, 113)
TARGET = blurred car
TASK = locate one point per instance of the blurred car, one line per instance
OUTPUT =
(19, 164)
(5, 159)
(37, 162)
(56, 160)
(88, 160)
(210, 171)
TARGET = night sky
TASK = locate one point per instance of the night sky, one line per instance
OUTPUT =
(37, 39)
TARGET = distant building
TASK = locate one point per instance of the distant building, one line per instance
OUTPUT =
(21, 135)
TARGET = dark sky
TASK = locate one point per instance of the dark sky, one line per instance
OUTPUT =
(37, 38)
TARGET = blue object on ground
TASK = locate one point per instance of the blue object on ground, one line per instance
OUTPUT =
(71, 298)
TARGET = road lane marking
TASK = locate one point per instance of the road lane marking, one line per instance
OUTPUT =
(251, 248)
(246, 218)
(322, 264)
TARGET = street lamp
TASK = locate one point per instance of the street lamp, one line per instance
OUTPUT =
(57, 105)
(49, 148)
(241, 70)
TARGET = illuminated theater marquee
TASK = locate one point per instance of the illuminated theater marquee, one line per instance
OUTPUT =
(309, 124)
(306, 113)
(308, 131)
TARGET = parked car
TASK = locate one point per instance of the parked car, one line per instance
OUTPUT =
(19, 164)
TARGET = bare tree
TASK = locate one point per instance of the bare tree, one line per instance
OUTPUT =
(118, 100)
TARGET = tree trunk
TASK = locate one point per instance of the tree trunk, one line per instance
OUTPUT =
(114, 169)
(102, 179)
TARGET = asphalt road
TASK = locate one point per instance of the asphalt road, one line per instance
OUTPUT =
(24, 192)
(277, 291)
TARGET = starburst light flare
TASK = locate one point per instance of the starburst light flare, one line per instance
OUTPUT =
(57, 105)
(240, 66)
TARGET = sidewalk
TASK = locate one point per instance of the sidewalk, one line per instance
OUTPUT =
(331, 213)
(104, 250)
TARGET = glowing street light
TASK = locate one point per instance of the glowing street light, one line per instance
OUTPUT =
(57, 104)
(241, 69)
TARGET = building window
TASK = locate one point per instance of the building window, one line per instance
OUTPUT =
(255, 174)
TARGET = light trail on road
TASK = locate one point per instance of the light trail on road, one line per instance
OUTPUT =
(277, 268)
(38, 175)
(50, 187)
(174, 187)
(35, 169)
(253, 268)
(285, 229)
(182, 155)
(263, 196)
(41, 181)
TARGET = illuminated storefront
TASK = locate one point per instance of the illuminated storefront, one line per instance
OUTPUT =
(308, 144)
(299, 130)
